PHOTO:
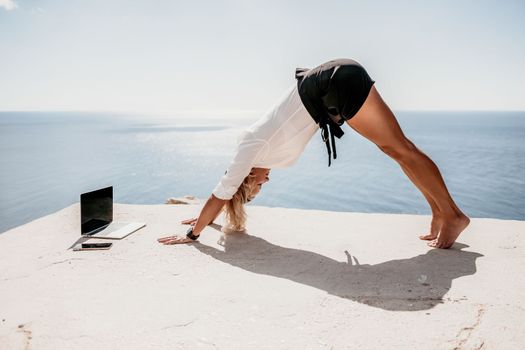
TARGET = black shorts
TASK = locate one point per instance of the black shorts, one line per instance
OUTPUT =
(338, 87)
(351, 85)
(332, 93)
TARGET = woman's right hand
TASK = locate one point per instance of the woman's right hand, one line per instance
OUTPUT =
(189, 222)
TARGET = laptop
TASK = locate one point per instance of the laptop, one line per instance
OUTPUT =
(96, 212)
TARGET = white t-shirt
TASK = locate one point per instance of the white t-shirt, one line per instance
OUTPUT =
(276, 140)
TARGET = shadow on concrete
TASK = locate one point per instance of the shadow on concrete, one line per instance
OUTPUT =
(416, 283)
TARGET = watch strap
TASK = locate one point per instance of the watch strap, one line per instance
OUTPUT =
(190, 234)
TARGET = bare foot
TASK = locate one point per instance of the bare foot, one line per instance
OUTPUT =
(435, 226)
(450, 231)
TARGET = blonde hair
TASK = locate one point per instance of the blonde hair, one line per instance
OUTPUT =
(234, 211)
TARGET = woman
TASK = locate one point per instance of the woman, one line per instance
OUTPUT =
(325, 97)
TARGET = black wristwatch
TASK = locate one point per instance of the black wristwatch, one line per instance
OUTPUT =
(190, 234)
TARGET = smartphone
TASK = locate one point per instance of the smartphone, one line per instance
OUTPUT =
(93, 246)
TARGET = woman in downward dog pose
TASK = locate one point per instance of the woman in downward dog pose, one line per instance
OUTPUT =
(324, 97)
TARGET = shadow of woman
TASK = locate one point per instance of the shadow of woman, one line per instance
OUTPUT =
(411, 284)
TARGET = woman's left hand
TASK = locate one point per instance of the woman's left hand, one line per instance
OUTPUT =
(176, 239)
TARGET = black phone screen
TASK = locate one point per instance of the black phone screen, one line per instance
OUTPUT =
(96, 245)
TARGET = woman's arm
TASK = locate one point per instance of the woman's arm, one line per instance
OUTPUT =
(209, 212)
(248, 152)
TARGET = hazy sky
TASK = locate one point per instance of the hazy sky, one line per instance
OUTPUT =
(165, 55)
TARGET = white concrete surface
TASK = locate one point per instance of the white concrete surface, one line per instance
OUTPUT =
(298, 279)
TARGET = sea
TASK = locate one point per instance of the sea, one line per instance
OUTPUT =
(47, 159)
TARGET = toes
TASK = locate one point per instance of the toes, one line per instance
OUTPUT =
(428, 237)
(440, 245)
(432, 243)
(448, 245)
(435, 243)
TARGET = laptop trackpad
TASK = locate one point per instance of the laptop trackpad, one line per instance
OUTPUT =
(113, 226)
(118, 229)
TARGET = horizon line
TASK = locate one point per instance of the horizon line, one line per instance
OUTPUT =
(226, 111)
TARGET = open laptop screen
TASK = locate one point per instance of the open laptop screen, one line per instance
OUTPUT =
(96, 210)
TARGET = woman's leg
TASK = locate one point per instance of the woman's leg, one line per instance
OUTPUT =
(376, 122)
(435, 225)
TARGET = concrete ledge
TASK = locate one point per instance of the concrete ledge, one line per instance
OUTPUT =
(298, 279)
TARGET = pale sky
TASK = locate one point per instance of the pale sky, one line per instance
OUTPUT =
(227, 55)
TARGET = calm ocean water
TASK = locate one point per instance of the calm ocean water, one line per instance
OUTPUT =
(47, 159)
